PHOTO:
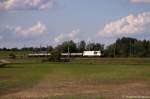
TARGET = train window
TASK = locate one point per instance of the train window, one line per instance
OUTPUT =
(95, 53)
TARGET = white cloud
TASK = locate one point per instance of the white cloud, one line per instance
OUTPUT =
(140, 1)
(69, 36)
(26, 4)
(35, 30)
(73, 34)
(130, 25)
(59, 38)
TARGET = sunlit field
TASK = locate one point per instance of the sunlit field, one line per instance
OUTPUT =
(74, 49)
(80, 78)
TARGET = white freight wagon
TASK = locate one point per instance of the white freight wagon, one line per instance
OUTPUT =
(92, 53)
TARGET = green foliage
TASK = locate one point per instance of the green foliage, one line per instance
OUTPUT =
(12, 56)
(123, 47)
(2, 65)
(95, 47)
(17, 76)
(67, 45)
(23, 76)
(81, 46)
(128, 47)
(55, 56)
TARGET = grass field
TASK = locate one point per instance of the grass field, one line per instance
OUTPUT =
(5, 54)
(81, 78)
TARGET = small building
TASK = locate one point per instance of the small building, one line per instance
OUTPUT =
(92, 53)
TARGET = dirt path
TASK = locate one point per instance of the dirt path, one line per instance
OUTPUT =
(64, 88)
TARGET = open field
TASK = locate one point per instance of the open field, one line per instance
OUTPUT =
(81, 78)
(5, 54)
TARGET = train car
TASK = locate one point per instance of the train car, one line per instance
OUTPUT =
(84, 54)
(72, 54)
(39, 55)
(92, 53)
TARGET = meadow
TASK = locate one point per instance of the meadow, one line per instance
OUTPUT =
(92, 78)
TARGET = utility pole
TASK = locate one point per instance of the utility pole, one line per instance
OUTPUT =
(133, 49)
(24, 50)
(89, 46)
(68, 50)
(130, 48)
(47, 50)
(115, 50)
(40, 48)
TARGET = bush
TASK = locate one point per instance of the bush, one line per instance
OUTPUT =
(55, 56)
(65, 60)
(2, 65)
(12, 56)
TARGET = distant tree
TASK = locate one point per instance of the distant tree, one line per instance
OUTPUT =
(128, 47)
(14, 49)
(67, 45)
(109, 51)
(81, 46)
(55, 56)
(99, 46)
(90, 46)
(49, 48)
(95, 47)
(123, 47)
(5, 49)
(12, 56)
(142, 48)
(43, 49)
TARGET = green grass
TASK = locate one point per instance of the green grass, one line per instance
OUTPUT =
(25, 75)
(5, 54)
(113, 61)
(18, 76)
(21, 57)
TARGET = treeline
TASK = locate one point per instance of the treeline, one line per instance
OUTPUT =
(33, 49)
(123, 47)
(128, 47)
(66, 46)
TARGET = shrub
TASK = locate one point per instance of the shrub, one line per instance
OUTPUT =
(55, 56)
(12, 56)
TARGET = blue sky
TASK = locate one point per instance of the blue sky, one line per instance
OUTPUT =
(50, 22)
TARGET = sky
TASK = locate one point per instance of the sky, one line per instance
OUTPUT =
(50, 22)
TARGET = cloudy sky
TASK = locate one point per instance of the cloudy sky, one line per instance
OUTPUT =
(50, 22)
